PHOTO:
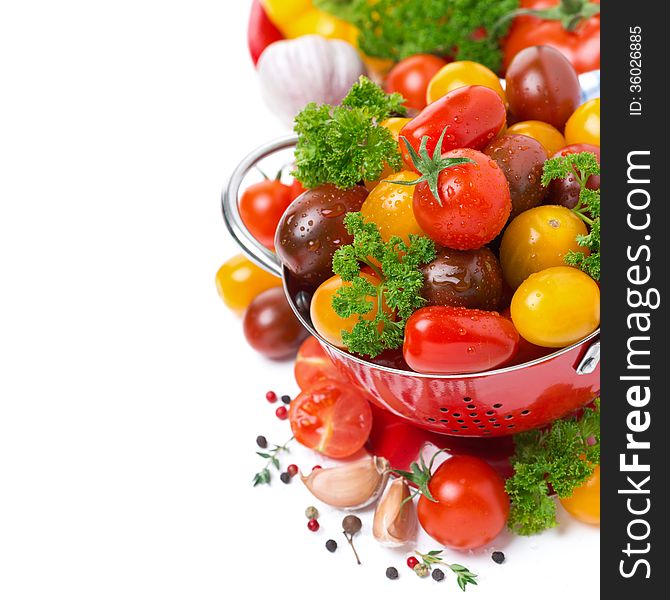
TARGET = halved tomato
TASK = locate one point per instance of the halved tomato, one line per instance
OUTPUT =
(332, 418)
(313, 365)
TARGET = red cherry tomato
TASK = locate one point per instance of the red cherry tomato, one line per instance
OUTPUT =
(261, 206)
(332, 418)
(296, 189)
(270, 326)
(411, 76)
(450, 339)
(313, 365)
(473, 114)
(581, 46)
(473, 206)
(472, 505)
(261, 32)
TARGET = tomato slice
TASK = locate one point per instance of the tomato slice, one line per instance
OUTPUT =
(331, 418)
(313, 365)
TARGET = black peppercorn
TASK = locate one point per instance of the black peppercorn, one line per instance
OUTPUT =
(331, 545)
(392, 573)
(285, 477)
(438, 574)
(286, 399)
(498, 557)
(261, 441)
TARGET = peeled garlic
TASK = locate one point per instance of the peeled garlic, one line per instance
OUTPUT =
(349, 486)
(395, 522)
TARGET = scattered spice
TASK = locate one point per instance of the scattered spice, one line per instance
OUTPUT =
(264, 475)
(463, 575)
(292, 470)
(282, 413)
(422, 570)
(412, 561)
(311, 512)
(392, 573)
(261, 441)
(271, 396)
(285, 477)
(313, 525)
(498, 557)
(351, 525)
(286, 399)
(438, 574)
(331, 545)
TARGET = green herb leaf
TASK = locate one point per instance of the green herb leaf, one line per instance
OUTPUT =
(345, 144)
(581, 166)
(400, 280)
(264, 476)
(396, 29)
(463, 575)
(564, 457)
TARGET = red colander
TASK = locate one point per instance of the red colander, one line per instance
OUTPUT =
(493, 403)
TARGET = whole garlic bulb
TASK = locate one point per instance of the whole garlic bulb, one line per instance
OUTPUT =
(307, 69)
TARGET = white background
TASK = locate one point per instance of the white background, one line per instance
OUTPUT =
(129, 403)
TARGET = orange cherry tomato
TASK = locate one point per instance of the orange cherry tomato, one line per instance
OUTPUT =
(389, 206)
(584, 503)
(459, 74)
(394, 125)
(324, 318)
(583, 127)
(551, 138)
(239, 281)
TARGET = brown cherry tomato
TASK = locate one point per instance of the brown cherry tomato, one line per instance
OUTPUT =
(312, 228)
(542, 85)
(270, 326)
(566, 191)
(521, 159)
(468, 278)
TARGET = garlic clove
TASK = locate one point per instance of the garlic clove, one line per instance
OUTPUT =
(350, 486)
(395, 522)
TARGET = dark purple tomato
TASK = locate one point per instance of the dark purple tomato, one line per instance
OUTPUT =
(312, 229)
(467, 278)
(566, 191)
(542, 85)
(270, 326)
(521, 159)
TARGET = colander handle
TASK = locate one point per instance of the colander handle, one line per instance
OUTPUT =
(590, 359)
(253, 249)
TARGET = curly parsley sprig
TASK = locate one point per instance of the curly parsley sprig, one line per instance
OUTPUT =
(345, 144)
(396, 29)
(562, 457)
(581, 166)
(397, 285)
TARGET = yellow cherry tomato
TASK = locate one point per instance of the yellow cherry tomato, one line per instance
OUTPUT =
(389, 206)
(556, 307)
(324, 318)
(537, 239)
(583, 127)
(283, 12)
(320, 23)
(394, 125)
(239, 281)
(584, 504)
(459, 74)
(550, 137)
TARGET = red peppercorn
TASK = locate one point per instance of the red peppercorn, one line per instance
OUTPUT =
(271, 397)
(313, 525)
(292, 470)
(412, 561)
(282, 413)
(315, 467)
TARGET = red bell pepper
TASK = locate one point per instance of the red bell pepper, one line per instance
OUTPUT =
(261, 31)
